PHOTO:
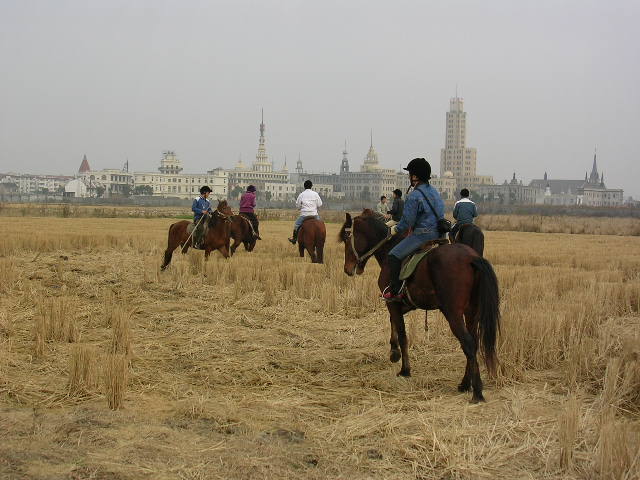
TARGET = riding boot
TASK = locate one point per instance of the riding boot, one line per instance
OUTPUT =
(294, 237)
(392, 294)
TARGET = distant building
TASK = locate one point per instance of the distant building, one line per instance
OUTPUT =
(456, 157)
(509, 193)
(169, 181)
(36, 184)
(261, 172)
(591, 191)
(446, 185)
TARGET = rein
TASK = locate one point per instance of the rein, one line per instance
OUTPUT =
(360, 259)
(253, 232)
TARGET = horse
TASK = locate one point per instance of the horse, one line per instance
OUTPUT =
(312, 235)
(242, 232)
(217, 234)
(471, 235)
(452, 278)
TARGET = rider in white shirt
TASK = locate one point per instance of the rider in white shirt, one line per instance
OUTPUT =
(308, 202)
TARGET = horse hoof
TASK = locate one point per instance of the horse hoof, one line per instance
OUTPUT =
(477, 399)
(394, 356)
(404, 373)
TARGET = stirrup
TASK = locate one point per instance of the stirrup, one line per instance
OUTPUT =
(388, 297)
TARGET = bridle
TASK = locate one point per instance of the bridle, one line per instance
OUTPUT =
(361, 259)
(222, 216)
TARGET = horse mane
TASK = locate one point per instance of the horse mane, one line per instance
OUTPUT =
(373, 219)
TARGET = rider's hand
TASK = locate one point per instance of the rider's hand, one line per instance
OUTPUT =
(393, 230)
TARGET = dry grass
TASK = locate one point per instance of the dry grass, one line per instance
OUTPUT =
(267, 366)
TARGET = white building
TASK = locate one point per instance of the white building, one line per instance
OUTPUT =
(169, 181)
(280, 191)
(32, 184)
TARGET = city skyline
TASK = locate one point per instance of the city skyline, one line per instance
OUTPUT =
(109, 81)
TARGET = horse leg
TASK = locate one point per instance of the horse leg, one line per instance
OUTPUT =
(168, 253)
(394, 352)
(398, 319)
(426, 323)
(471, 325)
(320, 253)
(301, 248)
(236, 244)
(312, 253)
(469, 347)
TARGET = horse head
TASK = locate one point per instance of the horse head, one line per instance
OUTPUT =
(360, 235)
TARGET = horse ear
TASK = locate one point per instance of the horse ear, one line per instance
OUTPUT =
(348, 220)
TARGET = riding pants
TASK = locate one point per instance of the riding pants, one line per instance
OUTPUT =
(412, 243)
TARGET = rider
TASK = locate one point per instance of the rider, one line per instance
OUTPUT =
(464, 212)
(382, 207)
(395, 214)
(308, 202)
(417, 215)
(247, 204)
(201, 206)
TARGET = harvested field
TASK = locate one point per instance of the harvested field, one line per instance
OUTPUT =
(268, 366)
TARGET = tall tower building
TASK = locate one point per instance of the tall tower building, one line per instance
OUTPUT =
(262, 163)
(456, 157)
(344, 165)
(371, 160)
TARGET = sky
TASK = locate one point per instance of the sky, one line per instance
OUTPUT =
(544, 83)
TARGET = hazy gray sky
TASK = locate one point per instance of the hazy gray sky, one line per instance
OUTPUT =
(543, 82)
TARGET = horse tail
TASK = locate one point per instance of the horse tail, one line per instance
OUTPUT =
(488, 310)
(477, 241)
(168, 253)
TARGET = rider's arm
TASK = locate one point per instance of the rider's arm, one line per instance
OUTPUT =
(194, 206)
(456, 209)
(318, 200)
(475, 210)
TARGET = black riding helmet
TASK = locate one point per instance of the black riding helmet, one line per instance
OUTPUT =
(205, 189)
(420, 168)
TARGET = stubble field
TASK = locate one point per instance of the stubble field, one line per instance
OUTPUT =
(266, 366)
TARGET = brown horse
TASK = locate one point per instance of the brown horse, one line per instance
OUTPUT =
(217, 236)
(311, 236)
(471, 235)
(242, 232)
(453, 279)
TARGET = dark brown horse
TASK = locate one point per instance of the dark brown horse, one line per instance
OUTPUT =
(242, 232)
(311, 236)
(471, 235)
(452, 278)
(217, 236)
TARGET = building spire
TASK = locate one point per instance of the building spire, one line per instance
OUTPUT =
(344, 165)
(371, 145)
(593, 178)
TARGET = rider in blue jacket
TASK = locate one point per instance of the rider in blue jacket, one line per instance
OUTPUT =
(201, 206)
(417, 215)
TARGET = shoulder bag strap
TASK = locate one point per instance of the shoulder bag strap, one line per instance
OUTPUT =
(429, 203)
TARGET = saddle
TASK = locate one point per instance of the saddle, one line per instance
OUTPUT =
(410, 263)
(310, 217)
